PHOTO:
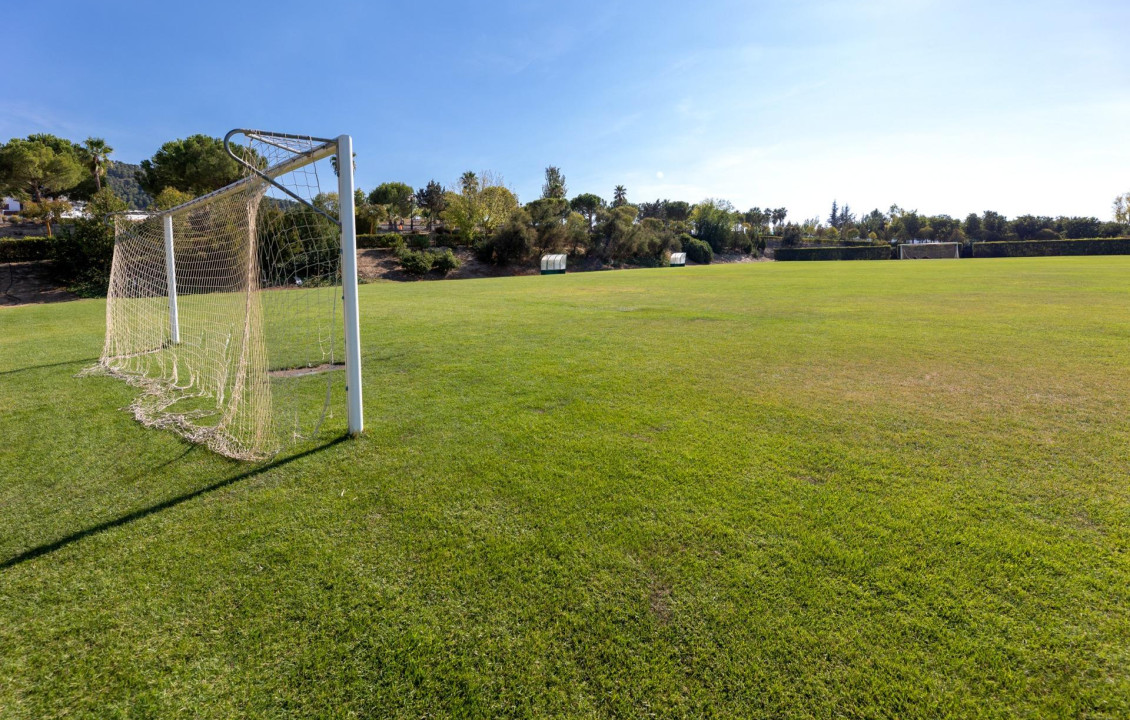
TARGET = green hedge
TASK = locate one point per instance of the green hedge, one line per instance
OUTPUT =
(25, 248)
(1038, 248)
(380, 240)
(857, 252)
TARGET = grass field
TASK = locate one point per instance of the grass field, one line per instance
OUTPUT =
(801, 490)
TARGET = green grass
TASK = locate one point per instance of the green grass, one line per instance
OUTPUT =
(801, 490)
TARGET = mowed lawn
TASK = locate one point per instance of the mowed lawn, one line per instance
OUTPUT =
(795, 490)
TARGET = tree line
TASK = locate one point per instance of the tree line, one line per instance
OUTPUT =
(900, 225)
(479, 210)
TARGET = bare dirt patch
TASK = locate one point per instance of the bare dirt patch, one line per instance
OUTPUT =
(313, 370)
(379, 264)
(23, 283)
(659, 600)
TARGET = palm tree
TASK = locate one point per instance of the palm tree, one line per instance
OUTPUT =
(469, 183)
(619, 196)
(98, 155)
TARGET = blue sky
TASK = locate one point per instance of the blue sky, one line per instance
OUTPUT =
(947, 106)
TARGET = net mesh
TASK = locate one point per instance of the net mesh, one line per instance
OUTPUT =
(258, 281)
(929, 251)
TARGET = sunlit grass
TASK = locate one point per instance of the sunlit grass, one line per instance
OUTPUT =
(785, 490)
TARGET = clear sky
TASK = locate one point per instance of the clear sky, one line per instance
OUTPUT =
(942, 106)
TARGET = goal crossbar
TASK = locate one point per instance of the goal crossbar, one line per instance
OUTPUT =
(313, 155)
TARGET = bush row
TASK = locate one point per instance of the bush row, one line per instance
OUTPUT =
(1036, 248)
(419, 240)
(379, 240)
(25, 248)
(421, 262)
(859, 252)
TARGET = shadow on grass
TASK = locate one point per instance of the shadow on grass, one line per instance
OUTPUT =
(50, 547)
(49, 365)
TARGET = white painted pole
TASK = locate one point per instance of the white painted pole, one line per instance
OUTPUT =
(171, 275)
(349, 283)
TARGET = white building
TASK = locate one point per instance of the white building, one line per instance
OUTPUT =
(10, 206)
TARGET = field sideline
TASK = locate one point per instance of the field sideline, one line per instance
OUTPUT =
(799, 490)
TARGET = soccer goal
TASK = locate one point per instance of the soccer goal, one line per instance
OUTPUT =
(929, 251)
(236, 313)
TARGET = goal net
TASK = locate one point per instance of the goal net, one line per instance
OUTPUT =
(929, 251)
(227, 311)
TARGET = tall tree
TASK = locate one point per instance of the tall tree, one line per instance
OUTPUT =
(1074, 228)
(198, 164)
(834, 217)
(554, 187)
(994, 226)
(619, 196)
(469, 183)
(657, 210)
(498, 204)
(972, 226)
(431, 200)
(1122, 208)
(943, 226)
(98, 156)
(399, 197)
(547, 215)
(677, 210)
(874, 222)
(481, 205)
(588, 205)
(714, 222)
(756, 218)
(39, 168)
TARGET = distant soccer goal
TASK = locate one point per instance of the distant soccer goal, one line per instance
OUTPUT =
(236, 313)
(929, 251)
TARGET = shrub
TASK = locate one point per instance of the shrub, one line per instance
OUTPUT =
(1035, 248)
(858, 252)
(416, 262)
(83, 254)
(444, 261)
(792, 235)
(1078, 228)
(1046, 234)
(1113, 229)
(512, 242)
(419, 241)
(444, 234)
(25, 248)
(379, 240)
(697, 251)
(617, 236)
(742, 242)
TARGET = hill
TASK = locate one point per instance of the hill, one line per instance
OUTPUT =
(120, 178)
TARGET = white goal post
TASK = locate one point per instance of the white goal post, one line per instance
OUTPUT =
(929, 251)
(223, 310)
